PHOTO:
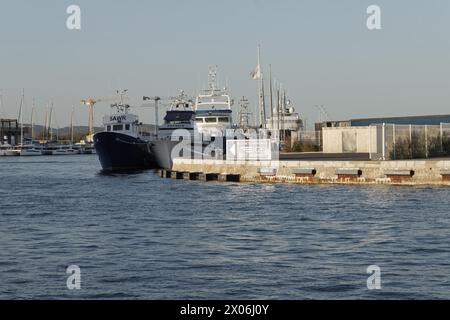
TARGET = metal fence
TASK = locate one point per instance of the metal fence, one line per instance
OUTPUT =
(399, 142)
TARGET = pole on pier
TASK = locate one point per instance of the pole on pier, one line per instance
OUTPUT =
(156, 99)
(384, 140)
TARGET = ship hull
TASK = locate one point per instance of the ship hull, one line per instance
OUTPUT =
(12, 153)
(164, 152)
(120, 152)
(162, 149)
(31, 153)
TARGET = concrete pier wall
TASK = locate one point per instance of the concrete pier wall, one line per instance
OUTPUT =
(423, 172)
(350, 139)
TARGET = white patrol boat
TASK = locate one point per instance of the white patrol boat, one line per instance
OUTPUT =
(179, 123)
(213, 109)
(205, 123)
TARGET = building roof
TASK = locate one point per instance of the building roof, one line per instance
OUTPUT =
(414, 120)
(406, 120)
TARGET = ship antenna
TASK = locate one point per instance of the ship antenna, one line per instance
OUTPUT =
(212, 78)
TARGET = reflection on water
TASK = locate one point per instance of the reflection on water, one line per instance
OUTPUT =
(139, 236)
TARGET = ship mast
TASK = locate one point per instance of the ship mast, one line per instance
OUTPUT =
(271, 96)
(278, 110)
(244, 115)
(262, 104)
(212, 79)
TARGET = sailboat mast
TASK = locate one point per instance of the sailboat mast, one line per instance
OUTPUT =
(21, 116)
(50, 122)
(2, 110)
(284, 114)
(71, 127)
(46, 123)
(32, 121)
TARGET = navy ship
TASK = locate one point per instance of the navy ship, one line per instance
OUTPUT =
(123, 145)
(179, 123)
(207, 119)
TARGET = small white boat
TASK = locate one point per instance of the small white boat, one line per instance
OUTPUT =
(88, 149)
(13, 152)
(3, 148)
(24, 151)
(48, 151)
(76, 148)
(64, 151)
(30, 151)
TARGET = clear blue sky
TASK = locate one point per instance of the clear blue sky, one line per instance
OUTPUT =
(321, 50)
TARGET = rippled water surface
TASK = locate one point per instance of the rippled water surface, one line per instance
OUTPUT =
(138, 236)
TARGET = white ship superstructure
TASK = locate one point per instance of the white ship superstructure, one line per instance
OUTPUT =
(213, 109)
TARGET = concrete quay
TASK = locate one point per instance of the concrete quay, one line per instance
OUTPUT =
(410, 172)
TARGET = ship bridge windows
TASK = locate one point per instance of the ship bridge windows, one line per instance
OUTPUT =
(108, 128)
(177, 122)
(127, 127)
(117, 127)
(211, 120)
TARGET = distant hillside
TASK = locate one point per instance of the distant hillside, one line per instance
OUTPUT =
(78, 131)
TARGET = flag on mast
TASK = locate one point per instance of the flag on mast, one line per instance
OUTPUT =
(256, 74)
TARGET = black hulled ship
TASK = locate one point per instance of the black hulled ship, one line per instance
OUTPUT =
(123, 145)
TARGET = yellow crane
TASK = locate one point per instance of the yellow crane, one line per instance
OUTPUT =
(91, 102)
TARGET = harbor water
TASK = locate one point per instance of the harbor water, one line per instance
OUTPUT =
(138, 236)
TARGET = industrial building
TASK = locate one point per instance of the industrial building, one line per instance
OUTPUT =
(388, 138)
(434, 120)
(9, 131)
